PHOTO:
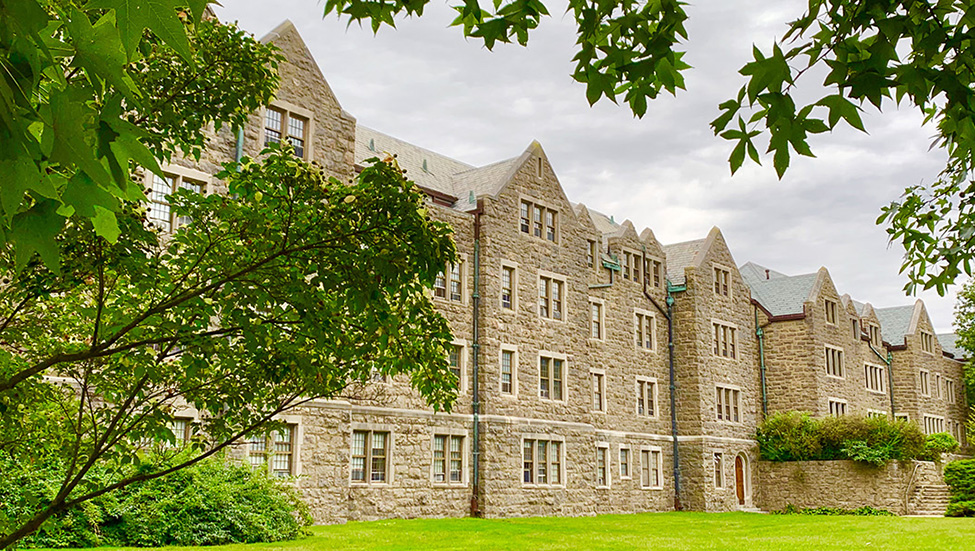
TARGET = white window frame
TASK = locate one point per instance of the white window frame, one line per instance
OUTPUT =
(514, 370)
(839, 402)
(653, 269)
(179, 173)
(464, 451)
(876, 413)
(950, 395)
(735, 349)
(927, 343)
(549, 439)
(462, 380)
(881, 377)
(597, 375)
(601, 307)
(390, 453)
(645, 316)
(608, 466)
(719, 478)
(564, 313)
(545, 209)
(513, 266)
(842, 361)
(629, 462)
(297, 435)
(720, 402)
(924, 382)
(647, 382)
(565, 376)
(287, 110)
(933, 424)
(650, 451)
(446, 274)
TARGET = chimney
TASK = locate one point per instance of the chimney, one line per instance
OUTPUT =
(767, 276)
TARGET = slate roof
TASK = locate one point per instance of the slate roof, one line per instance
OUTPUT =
(783, 295)
(947, 341)
(858, 306)
(440, 170)
(752, 272)
(895, 322)
(680, 256)
(485, 180)
(605, 224)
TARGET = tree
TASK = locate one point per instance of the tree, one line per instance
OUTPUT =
(292, 287)
(965, 329)
(875, 53)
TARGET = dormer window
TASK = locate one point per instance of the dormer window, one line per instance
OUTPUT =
(874, 335)
(722, 278)
(830, 312)
(927, 342)
(281, 124)
(538, 221)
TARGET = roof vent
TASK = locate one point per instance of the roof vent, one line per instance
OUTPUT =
(425, 169)
(612, 219)
(372, 144)
(471, 199)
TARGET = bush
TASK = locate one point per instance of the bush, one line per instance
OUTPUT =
(796, 436)
(865, 511)
(938, 444)
(215, 501)
(960, 478)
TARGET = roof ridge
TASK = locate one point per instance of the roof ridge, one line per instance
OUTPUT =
(413, 145)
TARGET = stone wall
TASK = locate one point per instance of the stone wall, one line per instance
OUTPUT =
(845, 484)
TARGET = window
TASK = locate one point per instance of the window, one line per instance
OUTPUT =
(508, 363)
(925, 382)
(837, 407)
(551, 378)
(624, 462)
(875, 414)
(646, 397)
(933, 424)
(645, 330)
(370, 454)
(542, 462)
(631, 266)
(834, 362)
(927, 342)
(718, 471)
(937, 385)
(651, 469)
(160, 212)
(902, 417)
(448, 459)
(538, 168)
(456, 359)
(602, 466)
(874, 335)
(598, 391)
(550, 297)
(274, 450)
(508, 287)
(595, 320)
(725, 341)
(654, 270)
(830, 312)
(539, 221)
(950, 391)
(856, 330)
(455, 277)
(591, 254)
(721, 279)
(874, 375)
(279, 122)
(728, 404)
(182, 428)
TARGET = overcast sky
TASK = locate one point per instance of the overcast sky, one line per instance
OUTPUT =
(424, 83)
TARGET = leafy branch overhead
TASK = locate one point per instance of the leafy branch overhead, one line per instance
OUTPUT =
(90, 91)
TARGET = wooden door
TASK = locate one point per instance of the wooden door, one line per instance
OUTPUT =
(740, 479)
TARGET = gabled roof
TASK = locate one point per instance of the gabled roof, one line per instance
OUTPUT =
(948, 345)
(680, 256)
(783, 295)
(751, 272)
(859, 306)
(605, 224)
(895, 322)
(438, 174)
(485, 180)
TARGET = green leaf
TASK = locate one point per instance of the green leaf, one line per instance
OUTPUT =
(106, 225)
(35, 231)
(99, 51)
(159, 16)
(70, 131)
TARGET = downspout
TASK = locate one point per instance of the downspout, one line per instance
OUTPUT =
(239, 153)
(476, 346)
(760, 333)
(669, 314)
(889, 360)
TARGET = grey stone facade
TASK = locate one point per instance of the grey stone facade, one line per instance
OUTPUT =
(573, 353)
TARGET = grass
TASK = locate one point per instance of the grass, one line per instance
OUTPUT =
(651, 531)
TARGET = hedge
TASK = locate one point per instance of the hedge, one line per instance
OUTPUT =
(960, 478)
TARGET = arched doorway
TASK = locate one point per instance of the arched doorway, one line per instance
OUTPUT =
(741, 479)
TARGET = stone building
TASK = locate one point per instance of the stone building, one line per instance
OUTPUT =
(593, 360)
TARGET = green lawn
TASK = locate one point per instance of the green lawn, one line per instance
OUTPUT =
(656, 531)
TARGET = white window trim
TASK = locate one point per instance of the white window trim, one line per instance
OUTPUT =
(565, 375)
(306, 114)
(846, 404)
(933, 339)
(514, 369)
(741, 407)
(609, 466)
(924, 419)
(604, 401)
(876, 412)
(920, 386)
(462, 383)
(737, 356)
(465, 453)
(883, 379)
(629, 463)
(721, 483)
(842, 366)
(660, 465)
(602, 318)
(464, 287)
(297, 437)
(514, 285)
(653, 328)
(184, 172)
(904, 416)
(546, 206)
(648, 269)
(390, 454)
(565, 295)
(636, 392)
(521, 450)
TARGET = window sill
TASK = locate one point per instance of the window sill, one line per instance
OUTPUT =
(451, 485)
(368, 484)
(839, 377)
(533, 486)
(651, 487)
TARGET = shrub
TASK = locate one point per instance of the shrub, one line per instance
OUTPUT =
(796, 436)
(215, 501)
(865, 511)
(938, 444)
(960, 478)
